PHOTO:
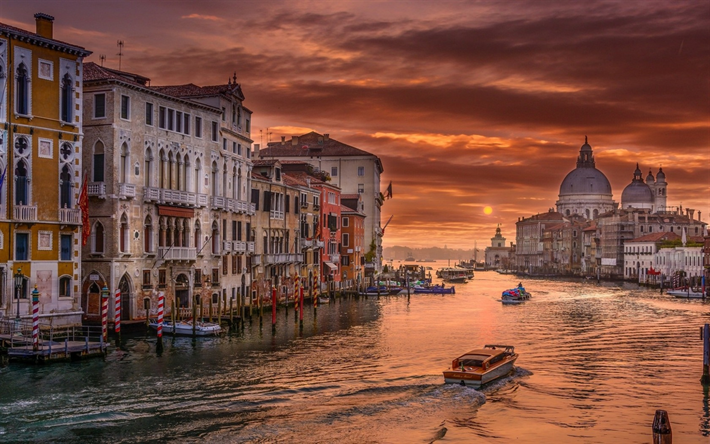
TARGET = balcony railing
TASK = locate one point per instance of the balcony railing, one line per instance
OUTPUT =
(239, 246)
(252, 208)
(282, 258)
(70, 216)
(226, 247)
(219, 202)
(335, 258)
(174, 197)
(25, 213)
(256, 260)
(319, 244)
(177, 253)
(97, 189)
(250, 247)
(307, 243)
(126, 190)
(275, 214)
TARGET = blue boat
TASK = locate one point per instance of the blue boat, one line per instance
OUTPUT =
(434, 289)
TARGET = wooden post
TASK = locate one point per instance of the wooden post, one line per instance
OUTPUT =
(219, 309)
(300, 296)
(705, 379)
(210, 308)
(273, 309)
(662, 433)
(231, 312)
(194, 315)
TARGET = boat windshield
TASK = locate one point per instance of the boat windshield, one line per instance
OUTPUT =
(473, 360)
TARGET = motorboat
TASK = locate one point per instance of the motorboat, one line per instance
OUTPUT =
(323, 299)
(184, 328)
(455, 275)
(433, 289)
(686, 292)
(515, 295)
(481, 366)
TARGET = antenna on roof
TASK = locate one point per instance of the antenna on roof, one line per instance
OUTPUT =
(103, 59)
(120, 52)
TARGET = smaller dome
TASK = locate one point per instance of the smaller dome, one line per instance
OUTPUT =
(649, 178)
(660, 175)
(637, 195)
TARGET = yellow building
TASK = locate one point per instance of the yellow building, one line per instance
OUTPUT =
(40, 164)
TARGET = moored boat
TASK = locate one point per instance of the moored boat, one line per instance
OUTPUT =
(184, 328)
(481, 366)
(686, 292)
(434, 289)
(323, 299)
(455, 275)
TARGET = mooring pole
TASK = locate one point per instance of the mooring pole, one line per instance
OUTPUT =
(117, 317)
(273, 309)
(705, 333)
(662, 433)
(161, 303)
(300, 313)
(104, 315)
(35, 319)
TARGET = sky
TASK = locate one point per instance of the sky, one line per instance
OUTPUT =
(469, 104)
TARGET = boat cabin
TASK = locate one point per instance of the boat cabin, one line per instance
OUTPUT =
(483, 357)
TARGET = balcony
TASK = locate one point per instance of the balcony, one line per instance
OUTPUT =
(151, 194)
(316, 207)
(126, 191)
(226, 247)
(239, 247)
(306, 243)
(335, 258)
(250, 247)
(97, 189)
(256, 260)
(275, 214)
(70, 216)
(252, 209)
(219, 202)
(281, 258)
(174, 197)
(319, 244)
(25, 213)
(177, 253)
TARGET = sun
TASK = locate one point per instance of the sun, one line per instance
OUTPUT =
(487, 210)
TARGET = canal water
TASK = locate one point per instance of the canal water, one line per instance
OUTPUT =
(596, 361)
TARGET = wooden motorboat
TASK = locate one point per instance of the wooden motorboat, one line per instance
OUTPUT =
(433, 289)
(323, 299)
(184, 328)
(455, 275)
(481, 366)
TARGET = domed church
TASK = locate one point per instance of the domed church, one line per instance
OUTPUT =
(650, 194)
(585, 190)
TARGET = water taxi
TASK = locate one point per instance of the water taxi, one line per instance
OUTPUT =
(455, 275)
(184, 328)
(481, 366)
(515, 295)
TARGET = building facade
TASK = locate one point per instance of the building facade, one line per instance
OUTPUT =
(352, 257)
(40, 168)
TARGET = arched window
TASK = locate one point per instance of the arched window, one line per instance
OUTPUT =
(161, 171)
(215, 238)
(180, 174)
(239, 184)
(67, 106)
(186, 173)
(23, 90)
(65, 287)
(98, 162)
(234, 183)
(147, 170)
(22, 184)
(123, 234)
(65, 188)
(148, 235)
(596, 213)
(198, 236)
(97, 238)
(224, 179)
(215, 173)
(124, 166)
(198, 167)
(171, 171)
(185, 233)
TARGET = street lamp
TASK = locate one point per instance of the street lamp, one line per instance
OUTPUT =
(19, 277)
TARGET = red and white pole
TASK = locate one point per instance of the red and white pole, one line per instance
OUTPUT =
(161, 303)
(273, 308)
(315, 290)
(104, 315)
(300, 316)
(117, 313)
(35, 319)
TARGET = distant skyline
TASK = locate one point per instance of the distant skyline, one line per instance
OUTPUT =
(468, 104)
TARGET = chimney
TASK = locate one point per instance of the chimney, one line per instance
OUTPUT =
(45, 25)
(294, 140)
(283, 140)
(256, 151)
(326, 137)
(691, 214)
(698, 216)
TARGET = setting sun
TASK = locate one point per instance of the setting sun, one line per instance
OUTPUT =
(487, 210)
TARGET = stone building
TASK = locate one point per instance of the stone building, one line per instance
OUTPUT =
(160, 209)
(352, 259)
(497, 254)
(352, 170)
(41, 142)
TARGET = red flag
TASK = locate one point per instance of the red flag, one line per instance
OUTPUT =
(84, 206)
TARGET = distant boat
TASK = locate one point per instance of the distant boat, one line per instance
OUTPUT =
(434, 289)
(184, 328)
(410, 258)
(515, 295)
(481, 366)
(686, 292)
(454, 275)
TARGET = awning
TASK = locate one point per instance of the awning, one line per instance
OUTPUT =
(331, 265)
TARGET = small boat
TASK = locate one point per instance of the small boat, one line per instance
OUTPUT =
(434, 289)
(686, 292)
(515, 295)
(455, 275)
(184, 328)
(324, 299)
(481, 366)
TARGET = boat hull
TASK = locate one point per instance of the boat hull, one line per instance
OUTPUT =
(185, 329)
(686, 294)
(477, 378)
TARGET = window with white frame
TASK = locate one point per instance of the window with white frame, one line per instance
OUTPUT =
(333, 171)
(99, 106)
(66, 112)
(346, 221)
(346, 239)
(65, 287)
(125, 107)
(198, 127)
(361, 171)
(360, 188)
(65, 247)
(149, 114)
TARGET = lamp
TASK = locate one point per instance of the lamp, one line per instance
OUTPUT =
(19, 277)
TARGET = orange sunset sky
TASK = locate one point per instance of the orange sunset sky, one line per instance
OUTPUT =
(469, 104)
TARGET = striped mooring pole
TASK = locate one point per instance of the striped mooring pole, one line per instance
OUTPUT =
(300, 315)
(35, 319)
(161, 305)
(117, 317)
(315, 290)
(273, 309)
(296, 288)
(104, 314)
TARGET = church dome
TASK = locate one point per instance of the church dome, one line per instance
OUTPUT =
(637, 195)
(585, 181)
(649, 178)
(660, 175)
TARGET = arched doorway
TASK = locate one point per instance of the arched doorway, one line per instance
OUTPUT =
(125, 286)
(91, 295)
(182, 291)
